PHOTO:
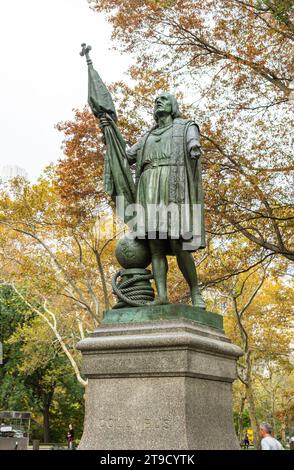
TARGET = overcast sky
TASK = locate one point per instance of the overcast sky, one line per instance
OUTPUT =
(43, 76)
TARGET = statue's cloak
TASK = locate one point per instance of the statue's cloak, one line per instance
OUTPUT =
(185, 177)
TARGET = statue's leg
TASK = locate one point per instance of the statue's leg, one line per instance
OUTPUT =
(160, 268)
(187, 266)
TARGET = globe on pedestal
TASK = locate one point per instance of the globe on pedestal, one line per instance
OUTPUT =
(132, 253)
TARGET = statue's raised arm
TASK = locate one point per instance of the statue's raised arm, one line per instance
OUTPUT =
(118, 179)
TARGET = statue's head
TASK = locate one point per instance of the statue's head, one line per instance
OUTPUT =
(165, 103)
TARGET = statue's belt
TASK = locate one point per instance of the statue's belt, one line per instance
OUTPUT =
(158, 163)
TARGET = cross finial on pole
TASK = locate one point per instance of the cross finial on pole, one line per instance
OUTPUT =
(85, 51)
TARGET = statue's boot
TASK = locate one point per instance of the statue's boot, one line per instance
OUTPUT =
(197, 299)
(159, 301)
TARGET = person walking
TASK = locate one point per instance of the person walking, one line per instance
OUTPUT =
(70, 436)
(267, 441)
(246, 440)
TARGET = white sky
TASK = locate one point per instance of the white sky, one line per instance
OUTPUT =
(43, 77)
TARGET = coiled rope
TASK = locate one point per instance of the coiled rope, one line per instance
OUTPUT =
(130, 294)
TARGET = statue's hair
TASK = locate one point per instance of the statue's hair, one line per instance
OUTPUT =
(174, 104)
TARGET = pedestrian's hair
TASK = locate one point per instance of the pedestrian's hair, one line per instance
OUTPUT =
(266, 427)
(174, 105)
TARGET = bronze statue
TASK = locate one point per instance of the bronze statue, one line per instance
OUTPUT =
(167, 188)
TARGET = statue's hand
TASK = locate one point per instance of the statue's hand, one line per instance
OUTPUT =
(103, 121)
(195, 152)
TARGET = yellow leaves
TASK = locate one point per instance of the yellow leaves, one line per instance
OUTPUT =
(267, 320)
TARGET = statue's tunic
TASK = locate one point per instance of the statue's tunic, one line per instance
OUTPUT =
(168, 175)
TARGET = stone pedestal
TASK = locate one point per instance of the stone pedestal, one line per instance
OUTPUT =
(159, 385)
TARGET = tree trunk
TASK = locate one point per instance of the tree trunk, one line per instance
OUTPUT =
(252, 415)
(103, 280)
(47, 400)
(283, 429)
(46, 422)
(251, 402)
(240, 420)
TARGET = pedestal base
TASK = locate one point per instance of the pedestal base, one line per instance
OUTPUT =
(159, 385)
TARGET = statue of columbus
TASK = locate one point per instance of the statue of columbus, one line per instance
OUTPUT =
(167, 191)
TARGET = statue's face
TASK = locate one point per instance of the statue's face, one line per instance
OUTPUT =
(163, 105)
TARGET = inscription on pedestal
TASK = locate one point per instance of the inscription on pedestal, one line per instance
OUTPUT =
(140, 425)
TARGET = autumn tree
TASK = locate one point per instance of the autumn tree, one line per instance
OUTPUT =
(78, 174)
(274, 387)
(36, 375)
(259, 318)
(58, 262)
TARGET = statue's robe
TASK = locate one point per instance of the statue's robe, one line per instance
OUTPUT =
(168, 174)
